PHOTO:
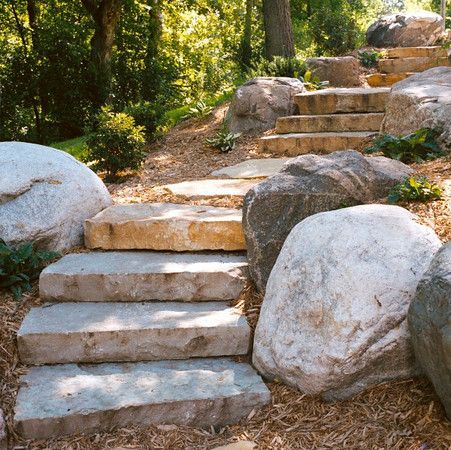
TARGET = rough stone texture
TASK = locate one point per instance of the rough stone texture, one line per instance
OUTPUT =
(386, 79)
(330, 123)
(294, 144)
(45, 196)
(110, 332)
(258, 103)
(406, 30)
(333, 321)
(198, 189)
(430, 325)
(308, 185)
(411, 64)
(416, 52)
(165, 226)
(242, 445)
(341, 100)
(252, 168)
(141, 276)
(342, 71)
(68, 399)
(422, 100)
(3, 436)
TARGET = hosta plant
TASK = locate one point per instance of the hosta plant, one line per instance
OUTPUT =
(415, 190)
(369, 58)
(200, 109)
(224, 140)
(312, 82)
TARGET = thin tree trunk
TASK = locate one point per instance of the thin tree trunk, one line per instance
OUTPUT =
(278, 28)
(246, 43)
(443, 9)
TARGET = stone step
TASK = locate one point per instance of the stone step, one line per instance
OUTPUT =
(294, 144)
(131, 276)
(59, 333)
(411, 64)
(386, 79)
(342, 100)
(416, 52)
(252, 168)
(67, 399)
(166, 226)
(330, 123)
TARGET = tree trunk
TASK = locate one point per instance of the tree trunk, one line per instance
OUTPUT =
(246, 42)
(278, 28)
(443, 9)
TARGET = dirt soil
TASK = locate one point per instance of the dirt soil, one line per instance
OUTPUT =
(397, 415)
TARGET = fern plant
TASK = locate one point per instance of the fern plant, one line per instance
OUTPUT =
(20, 266)
(414, 190)
(279, 66)
(418, 146)
(200, 109)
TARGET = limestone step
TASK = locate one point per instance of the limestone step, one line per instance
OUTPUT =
(342, 100)
(252, 168)
(198, 189)
(59, 333)
(293, 144)
(411, 64)
(416, 52)
(386, 79)
(165, 226)
(329, 123)
(68, 399)
(130, 276)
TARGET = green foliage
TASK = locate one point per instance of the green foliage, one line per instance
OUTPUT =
(415, 190)
(116, 145)
(418, 146)
(278, 67)
(199, 110)
(312, 82)
(75, 147)
(224, 140)
(369, 58)
(145, 115)
(20, 266)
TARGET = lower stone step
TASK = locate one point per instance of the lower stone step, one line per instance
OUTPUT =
(166, 226)
(67, 399)
(302, 143)
(131, 276)
(386, 79)
(107, 332)
(329, 123)
(411, 64)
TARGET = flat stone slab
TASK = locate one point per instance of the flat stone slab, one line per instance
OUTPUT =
(166, 226)
(68, 399)
(342, 100)
(386, 79)
(330, 123)
(252, 168)
(416, 52)
(294, 144)
(131, 276)
(411, 64)
(198, 189)
(109, 332)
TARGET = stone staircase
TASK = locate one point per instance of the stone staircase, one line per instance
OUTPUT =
(139, 336)
(403, 62)
(328, 120)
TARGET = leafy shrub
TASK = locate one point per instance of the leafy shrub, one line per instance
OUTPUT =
(20, 266)
(417, 190)
(369, 58)
(279, 66)
(200, 109)
(418, 146)
(117, 144)
(144, 114)
(312, 82)
(224, 140)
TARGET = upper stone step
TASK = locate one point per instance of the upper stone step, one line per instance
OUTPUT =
(386, 79)
(416, 52)
(252, 168)
(132, 276)
(342, 100)
(330, 123)
(61, 333)
(294, 144)
(166, 226)
(68, 399)
(411, 64)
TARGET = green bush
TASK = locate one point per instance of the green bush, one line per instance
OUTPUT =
(369, 58)
(418, 146)
(145, 115)
(117, 144)
(416, 190)
(20, 266)
(279, 66)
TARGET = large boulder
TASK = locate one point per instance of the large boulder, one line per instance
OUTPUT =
(307, 185)
(406, 30)
(333, 320)
(343, 71)
(430, 324)
(46, 195)
(261, 101)
(422, 100)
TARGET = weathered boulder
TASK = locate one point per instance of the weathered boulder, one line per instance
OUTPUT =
(46, 195)
(343, 71)
(406, 30)
(258, 103)
(333, 320)
(422, 100)
(307, 185)
(430, 324)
